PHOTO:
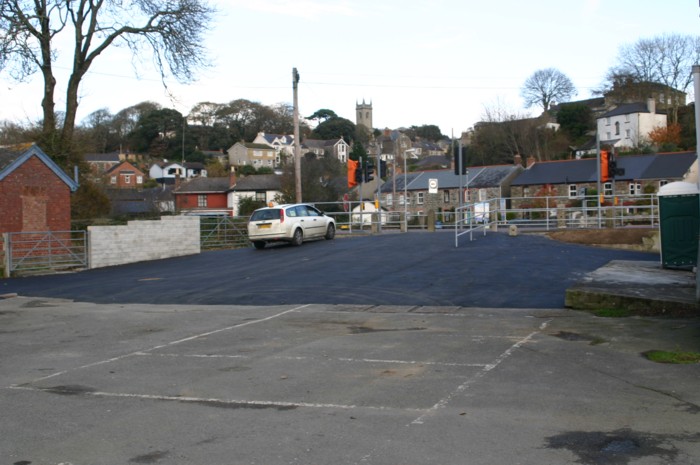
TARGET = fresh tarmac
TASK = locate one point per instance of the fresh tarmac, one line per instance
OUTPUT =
(494, 271)
(380, 382)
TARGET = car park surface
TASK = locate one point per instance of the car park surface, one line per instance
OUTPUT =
(495, 270)
(397, 349)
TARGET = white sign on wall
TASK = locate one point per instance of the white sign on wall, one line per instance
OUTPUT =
(433, 186)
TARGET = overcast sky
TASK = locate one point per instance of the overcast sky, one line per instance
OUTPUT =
(419, 62)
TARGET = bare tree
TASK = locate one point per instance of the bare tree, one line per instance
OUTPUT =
(545, 87)
(666, 59)
(31, 29)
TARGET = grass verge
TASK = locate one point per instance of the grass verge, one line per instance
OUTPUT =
(663, 356)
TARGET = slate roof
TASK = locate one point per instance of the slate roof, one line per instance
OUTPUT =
(102, 157)
(478, 177)
(258, 182)
(204, 185)
(637, 167)
(12, 156)
(627, 109)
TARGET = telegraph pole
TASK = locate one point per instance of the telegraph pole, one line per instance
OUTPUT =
(297, 148)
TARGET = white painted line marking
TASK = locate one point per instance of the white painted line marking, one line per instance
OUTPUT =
(179, 341)
(442, 403)
(226, 402)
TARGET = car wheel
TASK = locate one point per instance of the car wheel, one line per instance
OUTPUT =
(298, 237)
(259, 244)
(330, 232)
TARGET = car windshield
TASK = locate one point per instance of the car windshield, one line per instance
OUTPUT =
(268, 214)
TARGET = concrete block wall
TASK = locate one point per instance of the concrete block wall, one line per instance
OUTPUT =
(171, 236)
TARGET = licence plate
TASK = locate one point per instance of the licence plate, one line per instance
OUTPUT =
(264, 226)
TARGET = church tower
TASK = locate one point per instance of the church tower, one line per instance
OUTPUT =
(363, 112)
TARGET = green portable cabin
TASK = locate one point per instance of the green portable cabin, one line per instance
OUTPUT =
(679, 223)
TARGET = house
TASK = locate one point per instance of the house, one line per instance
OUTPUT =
(135, 202)
(571, 178)
(202, 196)
(166, 172)
(100, 163)
(392, 145)
(263, 188)
(336, 148)
(283, 143)
(34, 191)
(480, 184)
(124, 176)
(255, 155)
(628, 126)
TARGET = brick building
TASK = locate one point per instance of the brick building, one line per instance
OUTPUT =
(34, 191)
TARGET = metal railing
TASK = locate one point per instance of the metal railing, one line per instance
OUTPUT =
(41, 251)
(549, 213)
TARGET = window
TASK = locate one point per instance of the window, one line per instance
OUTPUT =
(662, 183)
(201, 200)
(635, 188)
(627, 118)
(390, 199)
(483, 195)
(127, 179)
(113, 180)
(446, 196)
(627, 133)
(401, 202)
(257, 153)
(467, 196)
(608, 135)
(573, 191)
(420, 198)
(607, 121)
(260, 196)
(139, 179)
(607, 189)
(617, 128)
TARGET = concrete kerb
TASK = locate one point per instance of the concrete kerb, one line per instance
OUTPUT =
(642, 288)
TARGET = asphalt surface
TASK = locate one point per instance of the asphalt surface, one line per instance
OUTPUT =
(493, 271)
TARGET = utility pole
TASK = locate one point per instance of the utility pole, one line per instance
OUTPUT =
(696, 87)
(297, 148)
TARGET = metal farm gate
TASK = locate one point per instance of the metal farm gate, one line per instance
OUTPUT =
(224, 232)
(44, 251)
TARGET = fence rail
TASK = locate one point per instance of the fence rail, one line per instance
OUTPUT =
(34, 252)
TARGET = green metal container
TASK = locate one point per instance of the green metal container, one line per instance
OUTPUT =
(679, 224)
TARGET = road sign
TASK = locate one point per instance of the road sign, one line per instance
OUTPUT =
(433, 186)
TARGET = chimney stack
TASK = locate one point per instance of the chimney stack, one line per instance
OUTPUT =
(651, 105)
(530, 161)
(518, 160)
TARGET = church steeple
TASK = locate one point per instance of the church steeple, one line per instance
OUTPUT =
(363, 112)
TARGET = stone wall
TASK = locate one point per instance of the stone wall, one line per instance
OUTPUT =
(171, 236)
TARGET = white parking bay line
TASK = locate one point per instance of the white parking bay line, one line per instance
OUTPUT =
(442, 403)
(169, 344)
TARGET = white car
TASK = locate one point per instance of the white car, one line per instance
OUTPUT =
(289, 223)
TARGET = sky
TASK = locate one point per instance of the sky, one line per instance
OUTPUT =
(439, 62)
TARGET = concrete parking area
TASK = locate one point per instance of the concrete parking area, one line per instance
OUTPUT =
(83, 383)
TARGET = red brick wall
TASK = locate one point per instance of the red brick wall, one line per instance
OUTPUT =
(33, 198)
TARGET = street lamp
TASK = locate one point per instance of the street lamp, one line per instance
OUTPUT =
(405, 189)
